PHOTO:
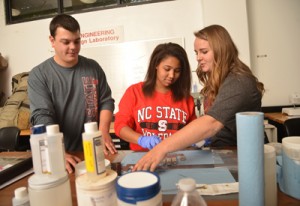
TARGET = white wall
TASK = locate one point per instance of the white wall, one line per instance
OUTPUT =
(275, 43)
(26, 44)
(231, 14)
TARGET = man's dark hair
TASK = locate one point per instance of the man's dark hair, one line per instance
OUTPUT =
(65, 21)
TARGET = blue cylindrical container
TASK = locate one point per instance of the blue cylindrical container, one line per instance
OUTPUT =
(139, 187)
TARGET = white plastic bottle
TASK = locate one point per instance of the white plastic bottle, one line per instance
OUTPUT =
(93, 151)
(187, 194)
(56, 150)
(21, 197)
(39, 150)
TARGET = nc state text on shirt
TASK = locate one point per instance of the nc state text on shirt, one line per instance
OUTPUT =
(162, 112)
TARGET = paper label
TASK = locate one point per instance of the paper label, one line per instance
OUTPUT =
(99, 155)
(45, 159)
(88, 155)
(218, 189)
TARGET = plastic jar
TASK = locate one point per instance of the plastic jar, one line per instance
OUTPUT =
(289, 181)
(291, 147)
(80, 167)
(101, 192)
(139, 188)
(48, 191)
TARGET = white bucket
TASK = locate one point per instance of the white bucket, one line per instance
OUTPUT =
(101, 192)
(291, 147)
(139, 188)
(80, 167)
(289, 176)
(48, 191)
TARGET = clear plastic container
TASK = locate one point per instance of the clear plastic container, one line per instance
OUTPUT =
(187, 194)
(39, 149)
(47, 190)
(56, 151)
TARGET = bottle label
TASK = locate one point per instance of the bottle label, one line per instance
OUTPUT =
(99, 155)
(45, 160)
(63, 150)
(88, 155)
(94, 156)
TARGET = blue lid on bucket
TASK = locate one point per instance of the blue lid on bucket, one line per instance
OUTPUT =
(137, 186)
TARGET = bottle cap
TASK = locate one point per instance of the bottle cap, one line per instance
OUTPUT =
(91, 127)
(187, 184)
(21, 192)
(38, 129)
(52, 129)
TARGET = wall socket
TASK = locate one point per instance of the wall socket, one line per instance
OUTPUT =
(295, 98)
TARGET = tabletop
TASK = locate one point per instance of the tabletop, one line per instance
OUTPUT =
(277, 117)
(6, 194)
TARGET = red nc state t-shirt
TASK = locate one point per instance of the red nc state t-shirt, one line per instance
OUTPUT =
(157, 115)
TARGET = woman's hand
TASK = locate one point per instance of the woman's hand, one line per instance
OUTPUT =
(151, 160)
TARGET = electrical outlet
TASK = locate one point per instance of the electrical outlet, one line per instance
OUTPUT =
(295, 98)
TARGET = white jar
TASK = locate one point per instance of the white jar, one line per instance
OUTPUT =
(100, 192)
(139, 188)
(289, 181)
(48, 191)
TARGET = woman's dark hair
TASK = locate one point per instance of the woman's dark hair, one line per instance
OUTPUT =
(181, 88)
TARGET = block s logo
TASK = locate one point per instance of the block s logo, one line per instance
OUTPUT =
(162, 125)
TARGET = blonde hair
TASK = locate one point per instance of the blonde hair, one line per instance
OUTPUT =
(226, 60)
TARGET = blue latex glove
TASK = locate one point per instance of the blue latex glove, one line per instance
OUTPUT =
(207, 142)
(148, 142)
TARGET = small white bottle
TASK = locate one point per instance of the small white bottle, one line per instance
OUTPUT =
(93, 151)
(195, 87)
(21, 197)
(39, 150)
(56, 150)
(187, 194)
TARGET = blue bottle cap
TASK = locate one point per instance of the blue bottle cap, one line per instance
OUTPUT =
(38, 129)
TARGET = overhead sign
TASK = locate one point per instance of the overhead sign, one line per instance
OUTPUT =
(96, 37)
